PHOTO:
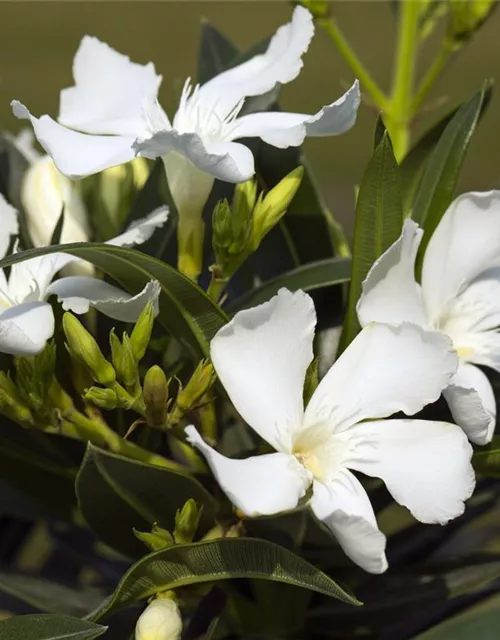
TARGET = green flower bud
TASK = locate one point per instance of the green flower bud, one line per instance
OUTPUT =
(158, 538)
(102, 398)
(155, 396)
(83, 347)
(187, 520)
(221, 226)
(270, 209)
(141, 334)
(12, 404)
(123, 359)
(244, 199)
(466, 17)
(189, 396)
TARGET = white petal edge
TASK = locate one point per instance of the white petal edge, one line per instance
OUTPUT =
(344, 507)
(285, 130)
(390, 292)
(472, 403)
(425, 465)
(9, 225)
(79, 293)
(25, 328)
(258, 486)
(75, 154)
(109, 91)
(281, 63)
(261, 357)
(385, 369)
(141, 230)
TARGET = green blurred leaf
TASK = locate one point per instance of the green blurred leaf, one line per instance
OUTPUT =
(50, 596)
(439, 182)
(117, 495)
(56, 234)
(314, 275)
(48, 627)
(378, 223)
(186, 312)
(215, 54)
(413, 166)
(220, 559)
(486, 460)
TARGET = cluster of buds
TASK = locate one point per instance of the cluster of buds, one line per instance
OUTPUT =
(187, 521)
(239, 228)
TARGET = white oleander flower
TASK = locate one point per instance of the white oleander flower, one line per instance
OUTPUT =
(459, 296)
(261, 357)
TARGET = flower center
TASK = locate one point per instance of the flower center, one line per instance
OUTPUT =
(320, 451)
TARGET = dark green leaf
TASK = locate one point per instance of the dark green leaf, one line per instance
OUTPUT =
(486, 460)
(56, 234)
(379, 131)
(50, 596)
(216, 53)
(221, 559)
(117, 495)
(414, 164)
(49, 627)
(186, 312)
(437, 188)
(314, 275)
(378, 223)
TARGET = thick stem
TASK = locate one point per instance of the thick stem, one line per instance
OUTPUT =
(369, 85)
(400, 108)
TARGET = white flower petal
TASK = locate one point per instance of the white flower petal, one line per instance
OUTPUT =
(28, 280)
(141, 230)
(285, 130)
(79, 293)
(390, 292)
(109, 91)
(384, 370)
(261, 358)
(25, 328)
(425, 465)
(281, 63)
(472, 403)
(465, 243)
(9, 225)
(75, 154)
(343, 506)
(258, 486)
(228, 161)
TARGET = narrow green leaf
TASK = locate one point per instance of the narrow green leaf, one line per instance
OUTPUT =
(221, 559)
(186, 312)
(378, 223)
(56, 234)
(215, 54)
(439, 182)
(117, 495)
(49, 627)
(313, 275)
(486, 460)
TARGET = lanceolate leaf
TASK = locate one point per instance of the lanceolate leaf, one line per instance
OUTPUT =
(378, 223)
(313, 275)
(215, 54)
(117, 495)
(186, 312)
(49, 627)
(438, 185)
(221, 559)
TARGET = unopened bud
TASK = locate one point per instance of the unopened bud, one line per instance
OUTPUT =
(161, 620)
(155, 396)
(83, 347)
(141, 334)
(123, 359)
(118, 185)
(270, 209)
(466, 17)
(102, 398)
(188, 397)
(187, 520)
(11, 403)
(221, 225)
(244, 198)
(158, 538)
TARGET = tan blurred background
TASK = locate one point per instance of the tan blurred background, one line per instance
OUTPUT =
(39, 39)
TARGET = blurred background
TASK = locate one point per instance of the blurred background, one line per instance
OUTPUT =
(39, 40)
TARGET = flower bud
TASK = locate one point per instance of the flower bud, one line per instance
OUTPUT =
(189, 396)
(466, 17)
(102, 398)
(141, 334)
(118, 186)
(44, 194)
(83, 347)
(11, 403)
(187, 520)
(155, 395)
(270, 209)
(158, 538)
(244, 198)
(123, 359)
(161, 620)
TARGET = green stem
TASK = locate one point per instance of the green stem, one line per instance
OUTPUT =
(432, 75)
(400, 108)
(216, 287)
(330, 27)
